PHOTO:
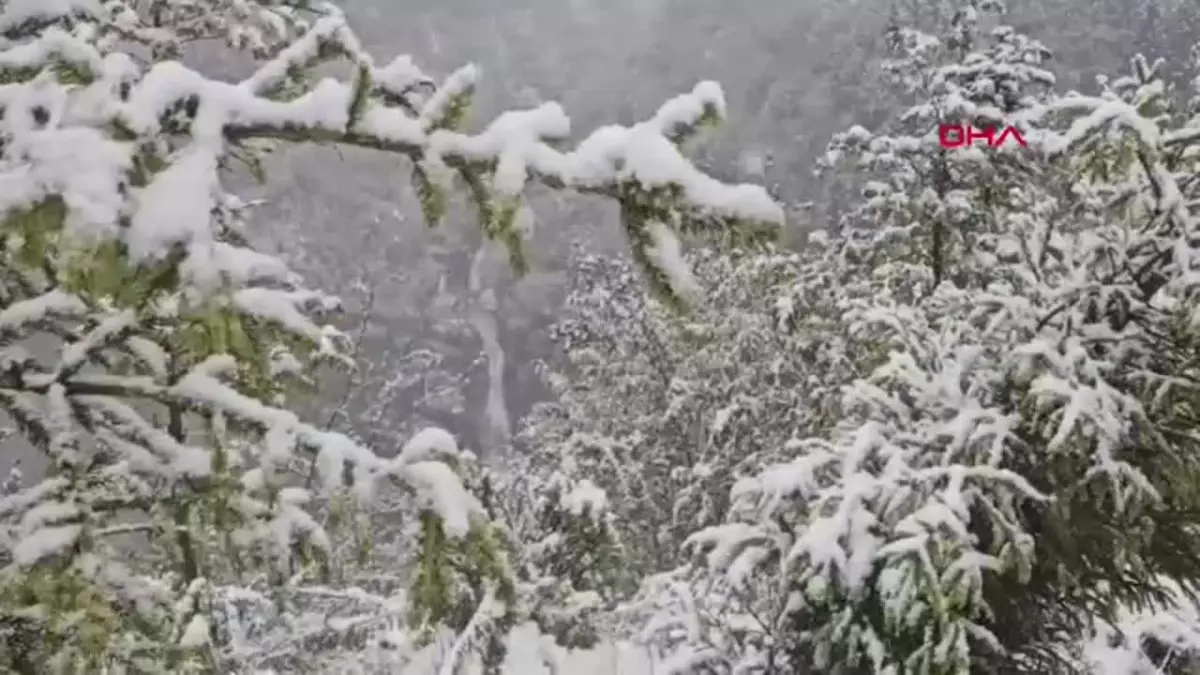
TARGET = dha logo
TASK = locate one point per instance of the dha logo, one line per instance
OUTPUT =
(952, 136)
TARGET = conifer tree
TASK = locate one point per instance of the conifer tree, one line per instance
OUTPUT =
(1008, 470)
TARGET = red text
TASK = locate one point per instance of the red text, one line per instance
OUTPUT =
(961, 136)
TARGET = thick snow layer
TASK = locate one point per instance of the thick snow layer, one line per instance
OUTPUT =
(19, 12)
(176, 207)
(44, 543)
(667, 253)
(586, 497)
(427, 444)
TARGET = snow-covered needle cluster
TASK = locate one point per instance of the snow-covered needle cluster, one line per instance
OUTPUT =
(181, 518)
